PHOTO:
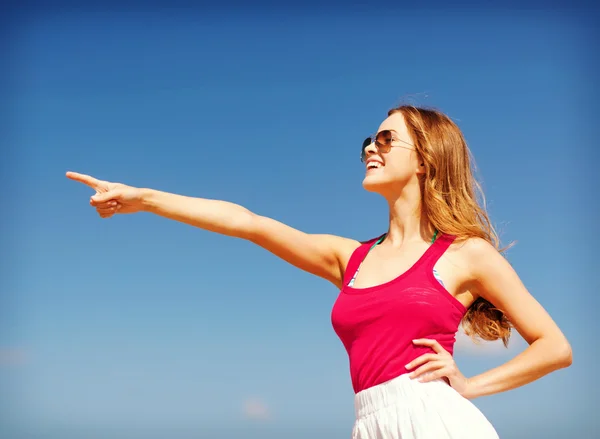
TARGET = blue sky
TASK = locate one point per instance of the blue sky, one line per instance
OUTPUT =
(138, 324)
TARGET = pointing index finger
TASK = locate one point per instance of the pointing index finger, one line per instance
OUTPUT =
(85, 179)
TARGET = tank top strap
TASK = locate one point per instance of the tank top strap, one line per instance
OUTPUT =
(437, 249)
(357, 258)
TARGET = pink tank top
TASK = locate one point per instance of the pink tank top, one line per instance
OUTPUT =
(377, 324)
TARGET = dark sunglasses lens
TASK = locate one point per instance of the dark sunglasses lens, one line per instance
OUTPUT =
(384, 138)
(366, 143)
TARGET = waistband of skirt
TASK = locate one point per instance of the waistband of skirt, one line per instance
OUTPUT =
(401, 390)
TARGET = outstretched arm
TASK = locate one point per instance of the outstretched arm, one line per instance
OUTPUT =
(323, 255)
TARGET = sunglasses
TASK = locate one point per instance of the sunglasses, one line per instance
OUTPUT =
(383, 140)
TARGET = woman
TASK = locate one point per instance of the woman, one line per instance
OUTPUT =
(404, 293)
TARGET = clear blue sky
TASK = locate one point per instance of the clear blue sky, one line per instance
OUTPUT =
(138, 324)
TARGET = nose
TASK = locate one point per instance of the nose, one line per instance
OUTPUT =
(371, 148)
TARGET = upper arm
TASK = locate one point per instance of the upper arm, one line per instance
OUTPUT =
(323, 255)
(496, 281)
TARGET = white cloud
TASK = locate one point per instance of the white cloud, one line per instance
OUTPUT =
(466, 345)
(256, 409)
(13, 356)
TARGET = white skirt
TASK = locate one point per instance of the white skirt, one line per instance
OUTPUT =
(407, 409)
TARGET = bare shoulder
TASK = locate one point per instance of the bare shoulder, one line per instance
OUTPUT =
(477, 256)
(489, 273)
(470, 250)
(474, 248)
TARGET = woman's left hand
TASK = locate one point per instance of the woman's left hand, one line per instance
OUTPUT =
(438, 365)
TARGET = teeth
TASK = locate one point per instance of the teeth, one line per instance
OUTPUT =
(372, 165)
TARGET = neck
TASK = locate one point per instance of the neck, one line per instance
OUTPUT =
(406, 221)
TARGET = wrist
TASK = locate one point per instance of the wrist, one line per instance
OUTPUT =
(472, 389)
(147, 199)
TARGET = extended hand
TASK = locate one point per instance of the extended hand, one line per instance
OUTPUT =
(438, 365)
(110, 198)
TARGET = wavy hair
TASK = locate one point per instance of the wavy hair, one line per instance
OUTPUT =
(450, 195)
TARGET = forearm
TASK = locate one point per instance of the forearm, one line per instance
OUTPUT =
(213, 215)
(541, 358)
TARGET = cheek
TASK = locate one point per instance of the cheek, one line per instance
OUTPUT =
(402, 164)
(398, 171)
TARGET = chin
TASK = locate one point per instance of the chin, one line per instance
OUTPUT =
(375, 185)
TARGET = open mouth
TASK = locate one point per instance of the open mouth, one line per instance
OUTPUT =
(374, 165)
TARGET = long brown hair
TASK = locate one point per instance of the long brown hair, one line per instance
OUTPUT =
(450, 201)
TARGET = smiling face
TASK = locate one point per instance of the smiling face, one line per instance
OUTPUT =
(391, 161)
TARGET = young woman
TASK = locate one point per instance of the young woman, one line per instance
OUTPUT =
(404, 293)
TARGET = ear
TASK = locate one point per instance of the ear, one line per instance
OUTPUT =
(420, 166)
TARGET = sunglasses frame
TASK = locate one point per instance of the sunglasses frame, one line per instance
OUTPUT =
(380, 146)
